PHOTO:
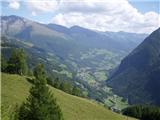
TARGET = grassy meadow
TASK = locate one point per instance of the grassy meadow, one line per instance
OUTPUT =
(16, 88)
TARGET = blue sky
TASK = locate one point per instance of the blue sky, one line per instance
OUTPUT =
(140, 16)
(146, 5)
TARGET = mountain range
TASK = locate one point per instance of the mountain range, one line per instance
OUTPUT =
(83, 56)
(28, 30)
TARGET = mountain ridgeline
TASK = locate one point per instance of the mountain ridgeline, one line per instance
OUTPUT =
(57, 35)
(138, 76)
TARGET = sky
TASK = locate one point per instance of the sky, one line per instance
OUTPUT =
(138, 16)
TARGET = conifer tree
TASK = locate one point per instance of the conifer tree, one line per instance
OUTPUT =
(40, 105)
(17, 62)
(66, 87)
(76, 91)
(3, 63)
(57, 83)
(22, 62)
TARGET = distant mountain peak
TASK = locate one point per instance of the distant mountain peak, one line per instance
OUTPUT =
(56, 25)
(76, 27)
(12, 17)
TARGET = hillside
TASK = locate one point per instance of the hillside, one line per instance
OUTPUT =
(83, 56)
(138, 76)
(15, 89)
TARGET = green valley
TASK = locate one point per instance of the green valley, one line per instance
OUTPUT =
(80, 60)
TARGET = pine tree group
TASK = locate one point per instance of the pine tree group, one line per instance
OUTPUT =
(17, 63)
(41, 104)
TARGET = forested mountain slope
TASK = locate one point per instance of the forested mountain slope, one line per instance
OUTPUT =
(138, 76)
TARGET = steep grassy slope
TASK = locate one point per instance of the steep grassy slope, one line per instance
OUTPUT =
(15, 89)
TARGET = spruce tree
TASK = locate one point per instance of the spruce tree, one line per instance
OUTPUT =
(12, 62)
(3, 63)
(17, 62)
(40, 105)
(76, 91)
(56, 83)
(22, 64)
(66, 87)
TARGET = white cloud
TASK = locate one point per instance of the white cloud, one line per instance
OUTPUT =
(34, 13)
(106, 16)
(14, 4)
(43, 5)
(103, 15)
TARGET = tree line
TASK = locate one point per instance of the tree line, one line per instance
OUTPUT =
(65, 86)
(143, 112)
(16, 64)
